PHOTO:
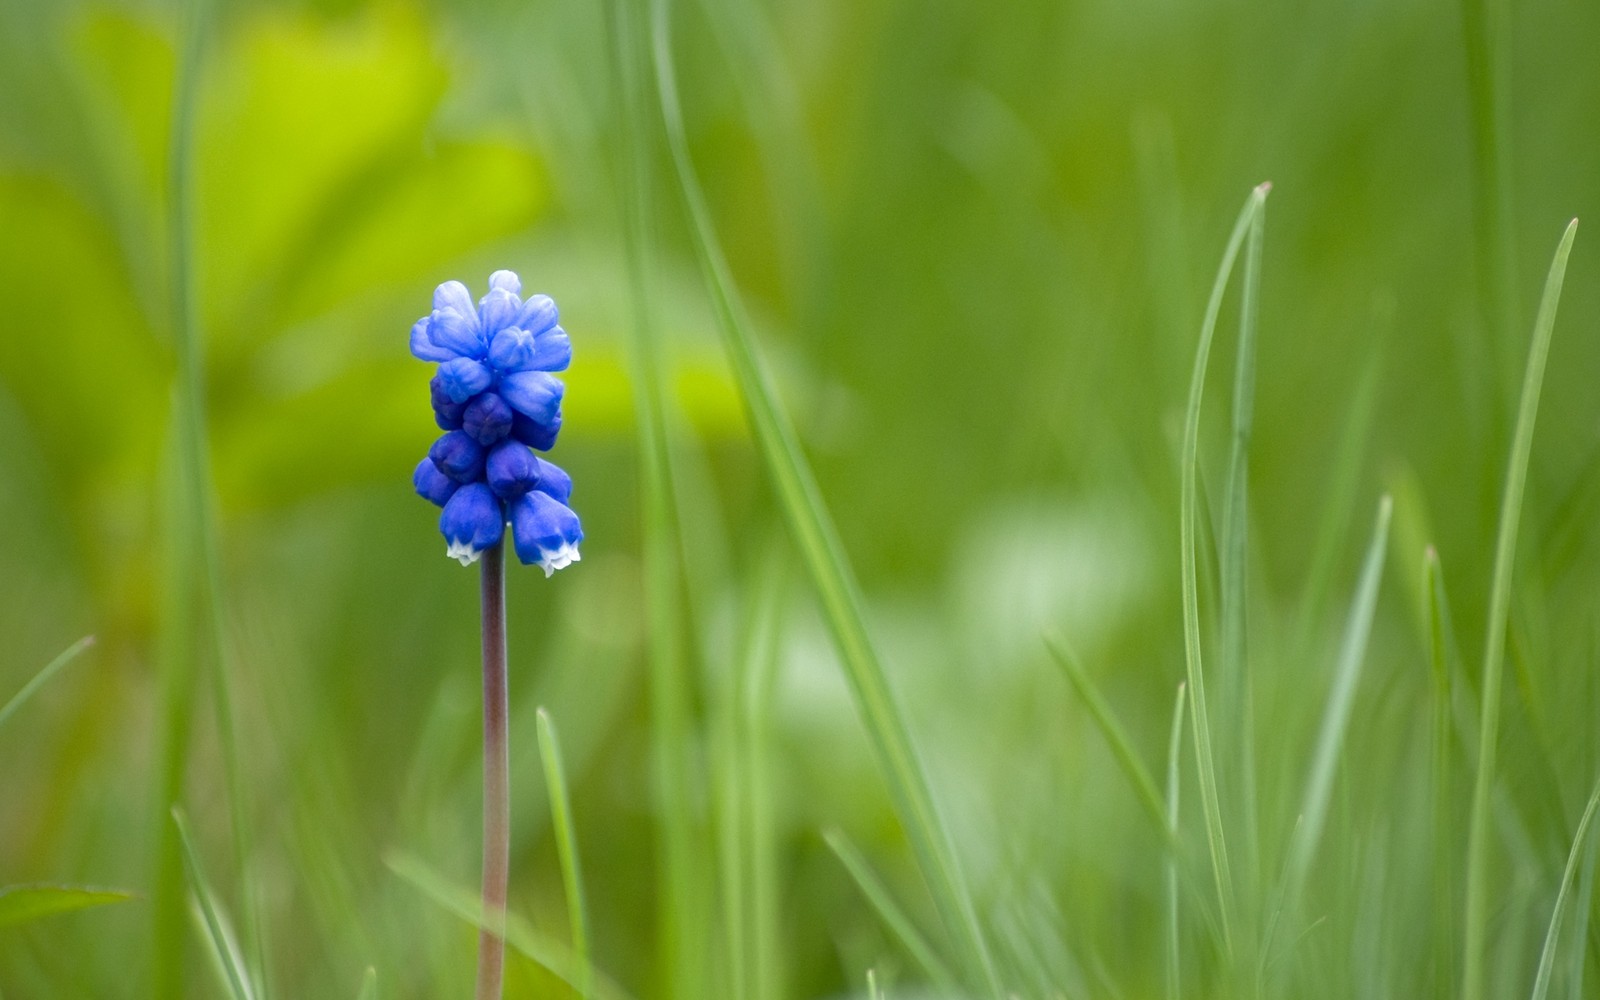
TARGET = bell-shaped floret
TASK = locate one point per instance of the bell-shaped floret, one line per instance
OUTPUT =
(471, 522)
(553, 481)
(538, 314)
(446, 411)
(458, 456)
(433, 485)
(533, 394)
(422, 346)
(498, 310)
(487, 419)
(545, 531)
(464, 378)
(512, 469)
(535, 434)
(507, 280)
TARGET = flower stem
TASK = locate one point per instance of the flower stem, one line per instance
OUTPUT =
(496, 785)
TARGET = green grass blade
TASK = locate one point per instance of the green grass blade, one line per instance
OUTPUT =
(873, 992)
(546, 951)
(823, 554)
(681, 907)
(1477, 907)
(23, 904)
(236, 976)
(566, 849)
(1198, 710)
(1121, 746)
(1444, 833)
(369, 985)
(1336, 713)
(1552, 937)
(1174, 928)
(893, 917)
(42, 678)
(1233, 557)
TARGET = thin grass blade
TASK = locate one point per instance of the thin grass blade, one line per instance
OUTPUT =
(1205, 758)
(1336, 713)
(546, 951)
(1444, 833)
(1121, 746)
(566, 849)
(814, 535)
(369, 985)
(1476, 918)
(236, 975)
(893, 917)
(1552, 937)
(1174, 927)
(42, 678)
(681, 909)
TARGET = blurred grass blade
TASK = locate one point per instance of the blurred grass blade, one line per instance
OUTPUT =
(1174, 928)
(42, 678)
(226, 951)
(23, 904)
(555, 957)
(814, 535)
(1444, 832)
(893, 917)
(873, 992)
(1552, 937)
(680, 908)
(566, 849)
(1336, 713)
(1233, 557)
(1111, 729)
(1476, 918)
(369, 985)
(1198, 710)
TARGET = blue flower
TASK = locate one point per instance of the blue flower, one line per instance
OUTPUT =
(496, 397)
(545, 531)
(472, 520)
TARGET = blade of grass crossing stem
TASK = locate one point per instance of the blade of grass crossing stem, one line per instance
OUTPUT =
(1552, 937)
(893, 917)
(1205, 760)
(369, 985)
(1476, 918)
(679, 908)
(823, 554)
(1234, 556)
(1443, 794)
(1111, 729)
(236, 975)
(42, 678)
(566, 849)
(1174, 928)
(545, 951)
(1336, 713)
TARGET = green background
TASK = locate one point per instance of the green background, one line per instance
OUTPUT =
(974, 242)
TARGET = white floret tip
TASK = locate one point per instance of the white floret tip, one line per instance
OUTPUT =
(464, 553)
(559, 559)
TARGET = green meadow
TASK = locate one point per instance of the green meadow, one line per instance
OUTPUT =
(1084, 499)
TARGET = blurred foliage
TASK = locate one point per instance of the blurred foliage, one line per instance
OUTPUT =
(975, 240)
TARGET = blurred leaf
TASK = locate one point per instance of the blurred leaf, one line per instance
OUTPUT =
(23, 904)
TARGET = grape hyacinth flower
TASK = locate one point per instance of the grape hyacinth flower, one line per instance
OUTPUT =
(495, 395)
(496, 399)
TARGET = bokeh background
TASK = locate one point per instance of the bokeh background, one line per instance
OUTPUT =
(974, 241)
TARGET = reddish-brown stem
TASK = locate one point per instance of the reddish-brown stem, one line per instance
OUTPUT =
(496, 783)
